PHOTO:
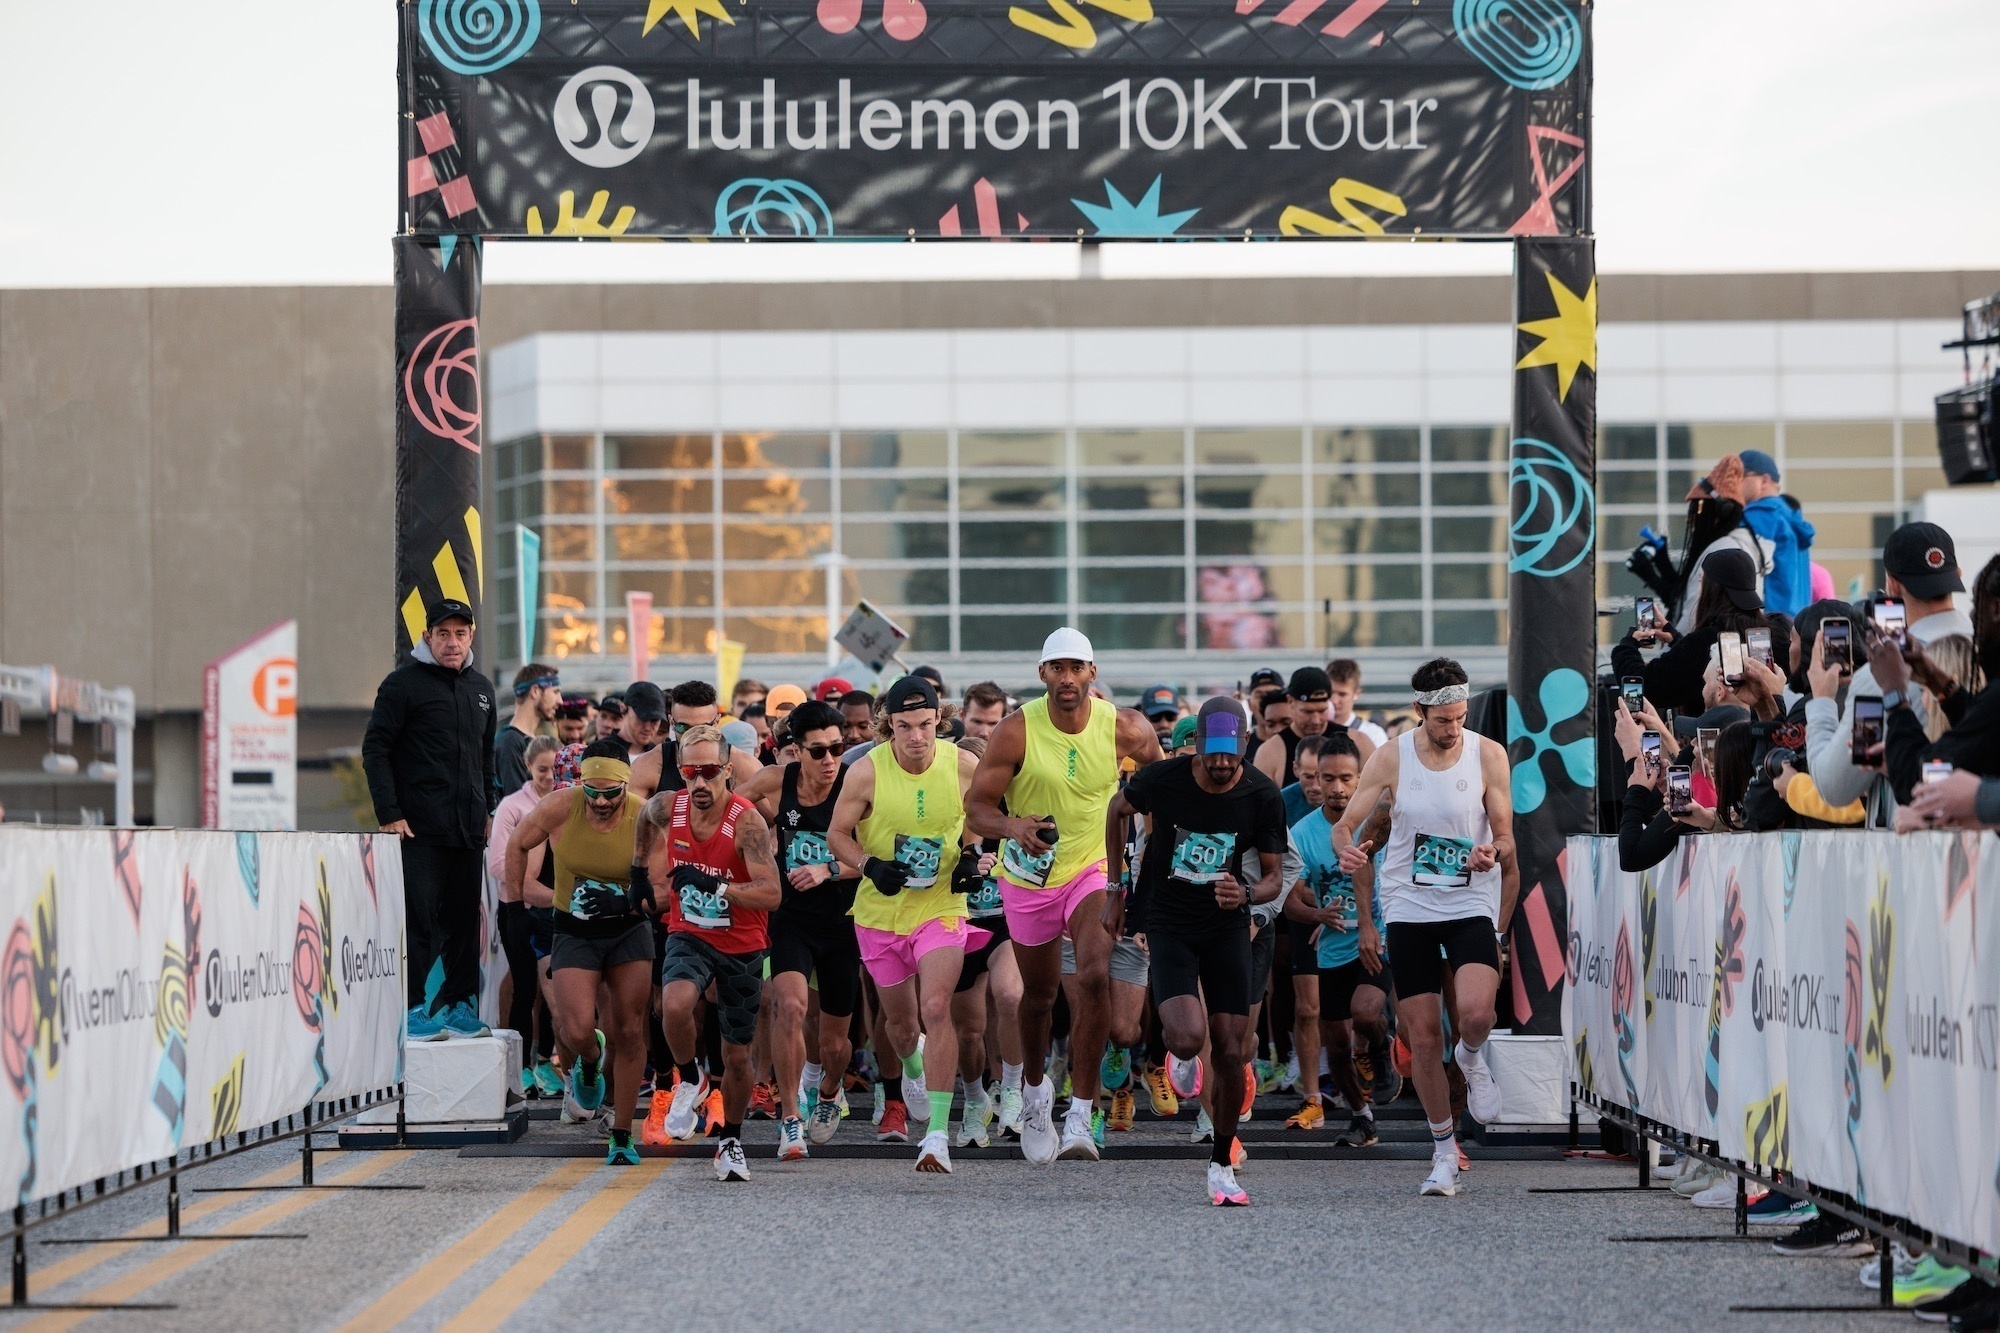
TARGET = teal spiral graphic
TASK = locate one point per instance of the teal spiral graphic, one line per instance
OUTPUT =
(755, 206)
(478, 36)
(1533, 44)
(1555, 525)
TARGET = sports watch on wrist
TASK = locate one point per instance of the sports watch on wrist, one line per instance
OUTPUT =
(1894, 699)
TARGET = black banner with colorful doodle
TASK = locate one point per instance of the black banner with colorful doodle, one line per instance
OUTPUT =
(438, 551)
(1551, 602)
(950, 118)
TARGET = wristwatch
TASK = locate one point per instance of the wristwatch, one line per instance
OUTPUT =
(1894, 699)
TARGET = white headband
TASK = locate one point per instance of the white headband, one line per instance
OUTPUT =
(1450, 694)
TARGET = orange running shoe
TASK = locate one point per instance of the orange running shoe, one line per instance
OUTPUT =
(1123, 1109)
(1165, 1104)
(895, 1126)
(1237, 1156)
(763, 1102)
(654, 1132)
(1400, 1054)
(711, 1111)
(1310, 1116)
(1249, 1088)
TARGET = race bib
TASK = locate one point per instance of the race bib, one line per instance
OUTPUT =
(807, 849)
(1201, 858)
(1336, 890)
(1441, 863)
(986, 902)
(704, 909)
(1025, 869)
(921, 856)
(594, 900)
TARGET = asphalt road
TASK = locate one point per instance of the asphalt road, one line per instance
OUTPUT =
(541, 1235)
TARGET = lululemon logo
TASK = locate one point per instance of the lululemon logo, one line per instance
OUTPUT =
(597, 134)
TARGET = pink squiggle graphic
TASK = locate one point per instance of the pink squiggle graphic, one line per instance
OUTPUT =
(1342, 24)
(447, 362)
(1540, 219)
(903, 20)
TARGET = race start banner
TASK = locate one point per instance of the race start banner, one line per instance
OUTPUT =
(1821, 1003)
(161, 988)
(944, 118)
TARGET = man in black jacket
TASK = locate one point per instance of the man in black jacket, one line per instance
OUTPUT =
(428, 754)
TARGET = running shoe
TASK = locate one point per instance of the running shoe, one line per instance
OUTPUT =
(1309, 1116)
(1722, 1194)
(1124, 1109)
(1249, 1091)
(841, 1101)
(1364, 1070)
(973, 1122)
(1039, 1140)
(572, 1114)
(1204, 1129)
(792, 1139)
(1825, 1235)
(1360, 1133)
(917, 1097)
(763, 1102)
(1238, 1154)
(825, 1120)
(1223, 1191)
(682, 1118)
(621, 1151)
(729, 1163)
(1079, 1142)
(1695, 1179)
(654, 1132)
(1482, 1094)
(1291, 1078)
(1443, 1179)
(1097, 1128)
(880, 1102)
(894, 1126)
(588, 1096)
(934, 1153)
(1268, 1074)
(548, 1079)
(711, 1110)
(529, 1092)
(1777, 1210)
(1165, 1104)
(1184, 1076)
(1011, 1111)
(1386, 1082)
(424, 1026)
(1968, 1305)
(1114, 1071)
(1399, 1058)
(1928, 1281)
(1901, 1263)
(462, 1020)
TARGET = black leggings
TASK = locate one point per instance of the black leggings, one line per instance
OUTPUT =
(516, 928)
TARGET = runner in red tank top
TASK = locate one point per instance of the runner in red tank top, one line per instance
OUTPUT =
(716, 868)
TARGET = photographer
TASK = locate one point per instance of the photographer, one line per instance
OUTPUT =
(1647, 833)
(1728, 602)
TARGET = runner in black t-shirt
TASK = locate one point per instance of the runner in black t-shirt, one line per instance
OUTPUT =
(1210, 811)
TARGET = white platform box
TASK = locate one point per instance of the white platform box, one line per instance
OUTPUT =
(464, 1090)
(1532, 1074)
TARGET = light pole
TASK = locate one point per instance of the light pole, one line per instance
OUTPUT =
(832, 562)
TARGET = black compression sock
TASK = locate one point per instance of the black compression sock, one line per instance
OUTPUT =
(892, 1088)
(690, 1073)
(732, 1130)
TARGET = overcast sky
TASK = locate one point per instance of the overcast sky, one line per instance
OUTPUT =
(252, 142)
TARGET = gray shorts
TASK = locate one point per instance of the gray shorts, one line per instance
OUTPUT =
(1129, 963)
(738, 978)
(634, 945)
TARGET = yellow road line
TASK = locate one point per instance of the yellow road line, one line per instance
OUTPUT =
(493, 1305)
(132, 1284)
(83, 1260)
(416, 1290)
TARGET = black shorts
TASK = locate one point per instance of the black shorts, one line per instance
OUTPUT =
(1305, 953)
(824, 952)
(1414, 948)
(1264, 956)
(738, 978)
(541, 930)
(601, 953)
(1338, 984)
(975, 961)
(1216, 963)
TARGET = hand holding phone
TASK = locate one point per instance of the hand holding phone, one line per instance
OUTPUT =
(1731, 644)
(1649, 750)
(1867, 732)
(1680, 789)
(1836, 635)
(1891, 619)
(1633, 689)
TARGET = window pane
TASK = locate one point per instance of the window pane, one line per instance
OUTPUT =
(1377, 490)
(1159, 492)
(505, 455)
(1459, 583)
(1248, 630)
(562, 497)
(1154, 631)
(1465, 628)
(1004, 634)
(671, 588)
(1248, 491)
(1130, 448)
(567, 453)
(776, 493)
(1014, 541)
(1375, 629)
(1620, 532)
(682, 495)
(569, 541)
(566, 631)
(1708, 441)
(1144, 538)
(1027, 492)
(1010, 449)
(884, 495)
(1468, 444)
(897, 587)
(774, 587)
(1359, 536)
(775, 541)
(506, 504)
(747, 452)
(661, 541)
(794, 633)
(1248, 536)
(1838, 439)
(1151, 583)
(1369, 583)
(658, 452)
(1465, 488)
(674, 636)
(1629, 442)
(1618, 488)
(894, 449)
(1919, 477)
(1238, 448)
(1844, 532)
(896, 541)
(1856, 485)
(1465, 532)
(986, 585)
(1381, 444)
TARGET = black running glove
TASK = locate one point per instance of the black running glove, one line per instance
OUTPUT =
(694, 877)
(642, 887)
(888, 877)
(965, 877)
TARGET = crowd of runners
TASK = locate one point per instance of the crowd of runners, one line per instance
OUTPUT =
(1038, 913)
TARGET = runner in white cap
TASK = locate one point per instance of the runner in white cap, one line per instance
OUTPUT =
(1452, 827)
(1043, 787)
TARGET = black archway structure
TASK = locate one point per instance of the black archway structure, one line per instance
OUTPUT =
(1071, 120)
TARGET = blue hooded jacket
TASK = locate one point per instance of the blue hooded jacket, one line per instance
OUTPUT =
(1788, 587)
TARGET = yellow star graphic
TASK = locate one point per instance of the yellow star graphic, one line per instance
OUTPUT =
(686, 11)
(1568, 340)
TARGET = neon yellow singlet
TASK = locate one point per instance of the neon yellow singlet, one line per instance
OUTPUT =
(1070, 779)
(917, 819)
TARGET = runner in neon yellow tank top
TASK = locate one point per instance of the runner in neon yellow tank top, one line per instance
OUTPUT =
(1053, 766)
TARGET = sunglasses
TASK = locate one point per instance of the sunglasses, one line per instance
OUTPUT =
(702, 772)
(822, 751)
(591, 793)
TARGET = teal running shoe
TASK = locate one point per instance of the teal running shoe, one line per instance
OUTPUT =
(621, 1151)
(530, 1090)
(1097, 1126)
(462, 1020)
(424, 1026)
(549, 1079)
(1115, 1070)
(589, 1095)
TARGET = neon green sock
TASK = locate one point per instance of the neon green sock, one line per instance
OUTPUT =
(913, 1065)
(940, 1108)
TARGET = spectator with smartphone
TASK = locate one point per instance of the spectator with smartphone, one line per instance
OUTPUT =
(1715, 525)
(1920, 566)
(1776, 519)
(1647, 831)
(1729, 604)
(1972, 743)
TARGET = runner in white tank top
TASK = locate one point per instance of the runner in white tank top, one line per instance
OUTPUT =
(1451, 832)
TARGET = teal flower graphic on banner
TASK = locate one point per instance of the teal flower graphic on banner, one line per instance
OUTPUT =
(1122, 217)
(1564, 695)
(1555, 522)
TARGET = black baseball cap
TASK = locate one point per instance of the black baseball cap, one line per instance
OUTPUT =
(1159, 701)
(446, 608)
(931, 674)
(1734, 572)
(646, 701)
(1922, 558)
(613, 704)
(1310, 684)
(908, 695)
(1265, 676)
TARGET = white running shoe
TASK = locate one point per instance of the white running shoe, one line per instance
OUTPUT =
(729, 1163)
(1903, 1266)
(825, 1120)
(792, 1140)
(1184, 1075)
(1223, 1191)
(1011, 1109)
(1078, 1143)
(1698, 1176)
(572, 1112)
(916, 1093)
(683, 1115)
(1722, 1194)
(973, 1123)
(934, 1154)
(1482, 1094)
(1039, 1141)
(1443, 1179)
(1204, 1129)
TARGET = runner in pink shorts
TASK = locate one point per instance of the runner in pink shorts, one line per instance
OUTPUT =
(1044, 787)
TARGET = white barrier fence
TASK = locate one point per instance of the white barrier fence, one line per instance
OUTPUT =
(160, 989)
(1823, 1003)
